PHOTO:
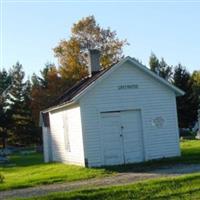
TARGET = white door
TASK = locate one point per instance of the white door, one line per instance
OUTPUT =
(112, 144)
(122, 137)
(132, 136)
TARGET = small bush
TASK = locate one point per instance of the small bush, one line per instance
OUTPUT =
(187, 134)
(1, 178)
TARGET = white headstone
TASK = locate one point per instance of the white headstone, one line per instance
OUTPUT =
(198, 133)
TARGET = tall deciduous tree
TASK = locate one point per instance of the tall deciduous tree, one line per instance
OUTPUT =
(45, 89)
(87, 34)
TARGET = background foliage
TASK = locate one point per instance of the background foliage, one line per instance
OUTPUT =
(22, 100)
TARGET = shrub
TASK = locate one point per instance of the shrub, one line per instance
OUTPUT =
(1, 178)
(187, 134)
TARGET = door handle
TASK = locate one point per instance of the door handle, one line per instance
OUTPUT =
(121, 135)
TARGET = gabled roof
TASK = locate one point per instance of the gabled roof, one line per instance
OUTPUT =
(74, 93)
(78, 87)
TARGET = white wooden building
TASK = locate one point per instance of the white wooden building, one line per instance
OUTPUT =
(123, 114)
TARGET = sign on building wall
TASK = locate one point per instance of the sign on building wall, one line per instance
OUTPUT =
(125, 87)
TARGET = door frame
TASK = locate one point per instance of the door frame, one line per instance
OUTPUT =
(142, 133)
(101, 135)
(102, 148)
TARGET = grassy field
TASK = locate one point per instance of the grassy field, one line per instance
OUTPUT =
(29, 170)
(181, 188)
(190, 154)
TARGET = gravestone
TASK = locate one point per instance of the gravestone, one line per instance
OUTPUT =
(3, 159)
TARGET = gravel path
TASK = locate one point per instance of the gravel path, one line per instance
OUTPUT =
(119, 179)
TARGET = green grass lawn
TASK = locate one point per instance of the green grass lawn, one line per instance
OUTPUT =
(180, 188)
(190, 154)
(190, 151)
(31, 171)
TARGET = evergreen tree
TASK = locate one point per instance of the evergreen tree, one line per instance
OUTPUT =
(5, 111)
(15, 100)
(19, 101)
(196, 85)
(160, 67)
(5, 81)
(185, 104)
(29, 132)
(166, 71)
(154, 63)
(195, 79)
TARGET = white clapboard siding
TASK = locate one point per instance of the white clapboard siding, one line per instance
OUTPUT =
(46, 144)
(152, 98)
(66, 125)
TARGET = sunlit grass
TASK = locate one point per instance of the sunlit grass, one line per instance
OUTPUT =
(29, 170)
(180, 188)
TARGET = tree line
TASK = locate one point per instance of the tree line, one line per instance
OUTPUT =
(179, 76)
(21, 100)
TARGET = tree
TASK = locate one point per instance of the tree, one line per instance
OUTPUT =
(154, 63)
(15, 100)
(21, 129)
(5, 80)
(196, 84)
(87, 34)
(5, 122)
(196, 90)
(160, 67)
(28, 132)
(73, 64)
(45, 90)
(5, 113)
(185, 104)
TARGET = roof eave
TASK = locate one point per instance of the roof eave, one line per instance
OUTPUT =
(63, 105)
(177, 91)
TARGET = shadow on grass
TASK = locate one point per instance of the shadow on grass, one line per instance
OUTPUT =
(37, 159)
(155, 164)
(190, 155)
(20, 160)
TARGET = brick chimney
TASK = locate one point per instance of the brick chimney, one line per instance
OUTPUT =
(93, 61)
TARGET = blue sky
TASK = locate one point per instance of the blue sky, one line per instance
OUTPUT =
(31, 29)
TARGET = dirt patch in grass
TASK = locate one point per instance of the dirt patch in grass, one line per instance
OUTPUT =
(185, 187)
